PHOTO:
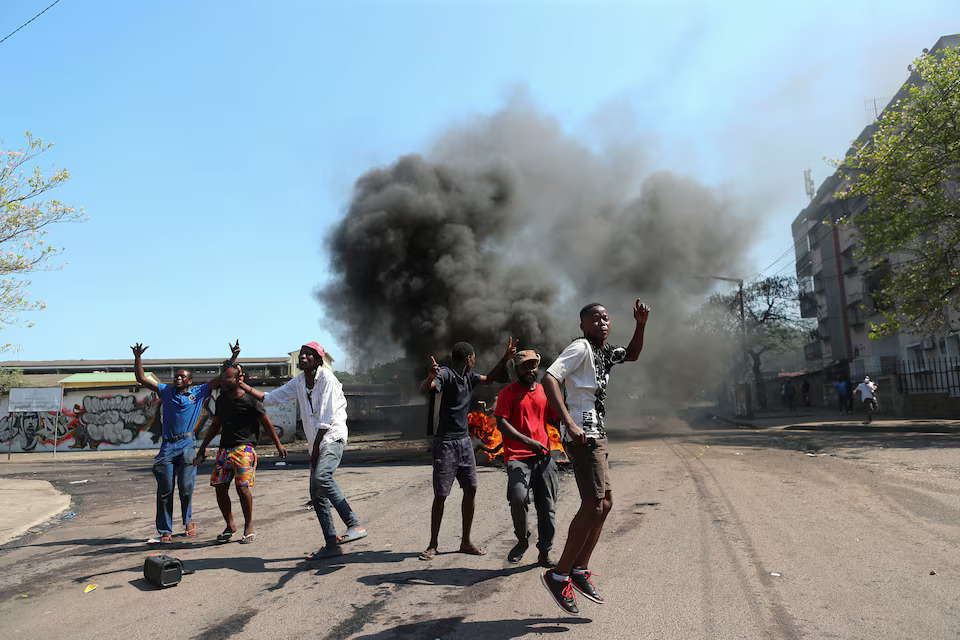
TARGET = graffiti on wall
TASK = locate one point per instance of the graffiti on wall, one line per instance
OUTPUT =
(123, 420)
(114, 420)
(30, 429)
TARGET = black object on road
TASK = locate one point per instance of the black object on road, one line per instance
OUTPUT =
(162, 570)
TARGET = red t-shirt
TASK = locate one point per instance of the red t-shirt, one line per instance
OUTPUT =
(527, 411)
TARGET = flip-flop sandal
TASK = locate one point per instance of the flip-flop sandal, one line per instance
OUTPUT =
(160, 540)
(475, 551)
(351, 535)
(191, 531)
(248, 538)
(225, 536)
(427, 555)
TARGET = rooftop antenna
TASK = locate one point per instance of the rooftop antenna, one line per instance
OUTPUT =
(808, 184)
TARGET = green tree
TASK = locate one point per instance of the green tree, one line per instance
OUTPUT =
(24, 216)
(772, 321)
(10, 378)
(907, 173)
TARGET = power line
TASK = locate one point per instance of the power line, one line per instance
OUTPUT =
(28, 21)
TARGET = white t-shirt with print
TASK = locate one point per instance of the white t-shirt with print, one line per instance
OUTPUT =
(576, 370)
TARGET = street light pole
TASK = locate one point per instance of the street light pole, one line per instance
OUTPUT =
(743, 337)
(743, 322)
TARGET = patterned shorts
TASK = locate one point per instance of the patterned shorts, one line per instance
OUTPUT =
(239, 463)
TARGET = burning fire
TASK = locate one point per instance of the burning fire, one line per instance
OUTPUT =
(484, 429)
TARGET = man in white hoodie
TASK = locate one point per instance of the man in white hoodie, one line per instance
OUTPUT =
(323, 410)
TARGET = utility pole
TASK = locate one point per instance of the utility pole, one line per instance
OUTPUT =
(743, 340)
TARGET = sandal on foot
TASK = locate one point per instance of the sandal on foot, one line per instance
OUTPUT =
(166, 538)
(248, 538)
(472, 551)
(353, 533)
(191, 530)
(429, 554)
(225, 536)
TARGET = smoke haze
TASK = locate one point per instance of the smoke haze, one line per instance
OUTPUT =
(506, 227)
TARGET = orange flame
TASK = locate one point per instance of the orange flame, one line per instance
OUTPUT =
(484, 429)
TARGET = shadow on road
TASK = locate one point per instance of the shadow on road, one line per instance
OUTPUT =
(449, 577)
(442, 627)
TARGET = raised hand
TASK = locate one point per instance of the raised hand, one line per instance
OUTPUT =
(434, 368)
(138, 350)
(234, 350)
(640, 312)
(511, 349)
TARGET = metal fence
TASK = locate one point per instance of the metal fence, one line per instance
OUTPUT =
(935, 375)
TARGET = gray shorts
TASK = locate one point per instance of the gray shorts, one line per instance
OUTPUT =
(453, 459)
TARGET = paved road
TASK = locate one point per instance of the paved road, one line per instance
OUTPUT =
(716, 532)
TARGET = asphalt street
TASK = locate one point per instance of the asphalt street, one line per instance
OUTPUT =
(716, 532)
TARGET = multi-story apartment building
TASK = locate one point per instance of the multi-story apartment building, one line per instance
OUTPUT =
(836, 288)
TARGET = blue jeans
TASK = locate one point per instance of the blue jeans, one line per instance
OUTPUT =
(324, 492)
(174, 462)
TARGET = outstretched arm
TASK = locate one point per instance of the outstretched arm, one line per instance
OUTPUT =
(497, 372)
(138, 350)
(640, 313)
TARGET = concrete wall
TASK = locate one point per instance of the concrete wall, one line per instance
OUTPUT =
(110, 419)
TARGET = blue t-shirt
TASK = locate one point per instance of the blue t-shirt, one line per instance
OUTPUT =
(455, 391)
(181, 411)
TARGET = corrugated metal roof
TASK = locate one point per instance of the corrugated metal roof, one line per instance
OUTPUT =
(86, 380)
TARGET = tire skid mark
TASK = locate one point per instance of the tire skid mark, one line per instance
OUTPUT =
(720, 514)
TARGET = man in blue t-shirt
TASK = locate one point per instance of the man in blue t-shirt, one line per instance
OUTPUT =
(181, 405)
(453, 455)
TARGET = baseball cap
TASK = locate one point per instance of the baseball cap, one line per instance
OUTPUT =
(316, 347)
(526, 355)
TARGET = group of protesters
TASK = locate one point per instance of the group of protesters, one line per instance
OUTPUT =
(572, 389)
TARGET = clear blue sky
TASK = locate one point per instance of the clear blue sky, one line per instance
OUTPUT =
(213, 144)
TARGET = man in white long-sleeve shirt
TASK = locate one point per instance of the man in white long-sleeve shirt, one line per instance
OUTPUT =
(323, 410)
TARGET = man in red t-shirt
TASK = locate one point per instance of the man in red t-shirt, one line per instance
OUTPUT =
(522, 419)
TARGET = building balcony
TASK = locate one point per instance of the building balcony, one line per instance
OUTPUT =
(813, 351)
(808, 304)
(857, 317)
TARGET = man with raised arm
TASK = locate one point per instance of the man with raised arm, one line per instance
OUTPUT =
(584, 370)
(181, 405)
(240, 417)
(453, 456)
(323, 410)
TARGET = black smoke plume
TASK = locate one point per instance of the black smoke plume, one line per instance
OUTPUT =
(506, 228)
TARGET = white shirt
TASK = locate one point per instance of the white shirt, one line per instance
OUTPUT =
(866, 390)
(576, 370)
(324, 409)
